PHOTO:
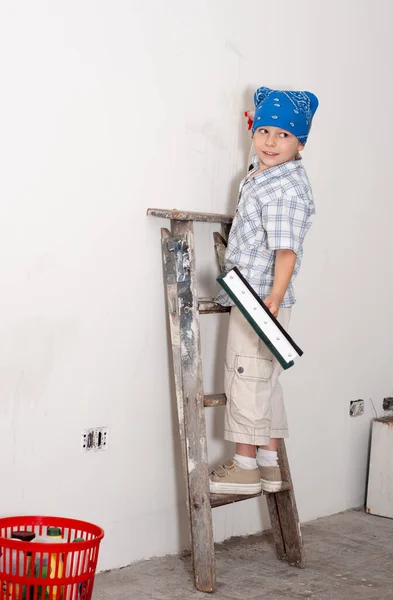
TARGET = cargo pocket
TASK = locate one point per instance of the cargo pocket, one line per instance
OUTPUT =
(250, 391)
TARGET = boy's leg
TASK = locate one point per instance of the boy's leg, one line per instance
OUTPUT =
(267, 454)
(249, 381)
(272, 446)
(246, 450)
(240, 475)
(251, 374)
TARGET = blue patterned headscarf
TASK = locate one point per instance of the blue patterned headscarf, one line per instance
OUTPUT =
(292, 111)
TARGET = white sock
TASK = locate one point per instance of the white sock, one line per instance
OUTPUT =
(246, 462)
(267, 458)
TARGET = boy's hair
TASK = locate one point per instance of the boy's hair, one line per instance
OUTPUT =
(292, 111)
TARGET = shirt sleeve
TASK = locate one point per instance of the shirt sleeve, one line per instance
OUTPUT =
(286, 222)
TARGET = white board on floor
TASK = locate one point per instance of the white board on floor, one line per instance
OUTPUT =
(380, 482)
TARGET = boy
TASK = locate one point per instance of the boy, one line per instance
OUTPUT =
(273, 215)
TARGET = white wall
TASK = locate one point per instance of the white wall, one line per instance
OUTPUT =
(109, 108)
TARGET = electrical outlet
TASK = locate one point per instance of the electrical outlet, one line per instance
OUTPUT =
(94, 439)
(356, 408)
(387, 404)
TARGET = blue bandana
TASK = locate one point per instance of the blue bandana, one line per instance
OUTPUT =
(292, 111)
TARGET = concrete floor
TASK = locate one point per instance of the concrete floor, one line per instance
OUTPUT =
(349, 556)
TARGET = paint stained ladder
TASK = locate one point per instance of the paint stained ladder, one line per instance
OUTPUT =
(184, 308)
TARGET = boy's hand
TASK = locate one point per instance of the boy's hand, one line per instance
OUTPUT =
(273, 304)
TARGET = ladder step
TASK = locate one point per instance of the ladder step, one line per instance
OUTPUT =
(211, 400)
(222, 499)
(207, 306)
(182, 215)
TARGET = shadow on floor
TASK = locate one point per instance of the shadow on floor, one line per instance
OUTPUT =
(349, 556)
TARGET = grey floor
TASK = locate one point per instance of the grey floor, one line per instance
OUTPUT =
(349, 555)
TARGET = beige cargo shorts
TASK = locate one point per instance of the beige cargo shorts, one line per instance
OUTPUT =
(255, 409)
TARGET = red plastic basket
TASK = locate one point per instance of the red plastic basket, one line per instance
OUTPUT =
(48, 571)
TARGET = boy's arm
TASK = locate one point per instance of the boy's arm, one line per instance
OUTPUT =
(283, 270)
(286, 220)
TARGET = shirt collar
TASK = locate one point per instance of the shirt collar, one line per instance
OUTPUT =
(282, 169)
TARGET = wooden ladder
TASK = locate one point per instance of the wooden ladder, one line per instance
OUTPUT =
(184, 308)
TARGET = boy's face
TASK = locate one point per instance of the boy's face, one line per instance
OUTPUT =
(275, 146)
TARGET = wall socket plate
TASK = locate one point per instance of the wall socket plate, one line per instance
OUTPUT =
(94, 439)
(356, 408)
(387, 404)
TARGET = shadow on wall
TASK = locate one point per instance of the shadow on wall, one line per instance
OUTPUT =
(206, 277)
(245, 142)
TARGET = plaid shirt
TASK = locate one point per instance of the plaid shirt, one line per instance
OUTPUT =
(274, 212)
